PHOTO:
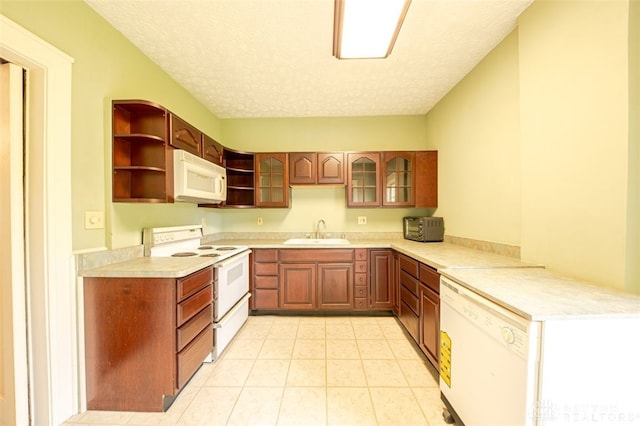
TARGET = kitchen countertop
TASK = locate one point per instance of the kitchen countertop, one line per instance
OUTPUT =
(151, 267)
(524, 288)
(539, 294)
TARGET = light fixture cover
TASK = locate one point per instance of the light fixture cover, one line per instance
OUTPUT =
(367, 28)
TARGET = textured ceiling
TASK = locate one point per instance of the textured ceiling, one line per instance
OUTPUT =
(273, 58)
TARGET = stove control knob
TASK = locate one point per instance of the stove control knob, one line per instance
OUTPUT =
(507, 335)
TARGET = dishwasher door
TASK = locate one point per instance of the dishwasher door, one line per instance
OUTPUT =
(488, 360)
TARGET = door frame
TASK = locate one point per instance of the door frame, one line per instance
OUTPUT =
(49, 288)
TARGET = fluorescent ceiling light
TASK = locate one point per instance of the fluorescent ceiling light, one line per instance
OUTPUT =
(367, 28)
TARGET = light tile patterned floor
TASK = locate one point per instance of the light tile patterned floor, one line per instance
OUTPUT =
(283, 370)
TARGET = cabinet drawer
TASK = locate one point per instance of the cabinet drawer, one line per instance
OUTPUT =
(410, 300)
(194, 282)
(410, 320)
(360, 291)
(191, 357)
(409, 282)
(360, 303)
(361, 266)
(194, 326)
(265, 298)
(409, 265)
(266, 282)
(361, 254)
(265, 268)
(265, 255)
(430, 277)
(360, 279)
(188, 308)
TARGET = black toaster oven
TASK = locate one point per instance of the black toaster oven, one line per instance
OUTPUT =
(423, 229)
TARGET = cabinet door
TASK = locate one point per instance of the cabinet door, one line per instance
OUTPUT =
(380, 279)
(272, 180)
(363, 179)
(429, 323)
(185, 136)
(335, 285)
(211, 150)
(426, 179)
(302, 168)
(297, 285)
(331, 167)
(398, 179)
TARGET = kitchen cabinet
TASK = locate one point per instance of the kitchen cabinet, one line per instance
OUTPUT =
(211, 150)
(335, 286)
(398, 179)
(145, 338)
(361, 301)
(240, 178)
(264, 282)
(426, 172)
(419, 305)
(429, 341)
(309, 168)
(141, 161)
(409, 296)
(298, 285)
(316, 279)
(185, 136)
(380, 279)
(272, 180)
(363, 179)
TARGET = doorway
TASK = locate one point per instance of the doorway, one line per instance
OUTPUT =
(46, 391)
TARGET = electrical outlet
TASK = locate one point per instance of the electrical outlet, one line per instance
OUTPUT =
(362, 220)
(93, 220)
(259, 220)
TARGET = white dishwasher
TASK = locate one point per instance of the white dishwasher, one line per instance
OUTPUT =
(487, 356)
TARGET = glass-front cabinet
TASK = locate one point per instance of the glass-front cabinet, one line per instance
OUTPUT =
(398, 179)
(363, 174)
(272, 186)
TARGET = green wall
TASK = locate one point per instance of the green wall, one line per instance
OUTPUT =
(548, 143)
(106, 66)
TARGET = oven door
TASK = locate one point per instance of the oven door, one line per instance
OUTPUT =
(232, 283)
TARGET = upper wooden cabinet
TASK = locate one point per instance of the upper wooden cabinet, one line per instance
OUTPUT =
(141, 164)
(185, 136)
(211, 150)
(272, 180)
(426, 171)
(240, 178)
(308, 168)
(363, 179)
(398, 179)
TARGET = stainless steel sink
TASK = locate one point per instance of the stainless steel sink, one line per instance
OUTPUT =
(317, 241)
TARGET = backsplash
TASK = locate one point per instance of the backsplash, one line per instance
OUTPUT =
(507, 250)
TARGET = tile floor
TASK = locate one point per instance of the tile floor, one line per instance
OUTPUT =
(283, 370)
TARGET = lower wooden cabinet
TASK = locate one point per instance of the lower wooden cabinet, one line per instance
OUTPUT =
(321, 279)
(145, 338)
(418, 286)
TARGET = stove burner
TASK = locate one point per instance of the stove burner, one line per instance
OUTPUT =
(210, 255)
(225, 248)
(205, 247)
(184, 254)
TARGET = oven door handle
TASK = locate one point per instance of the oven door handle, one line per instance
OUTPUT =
(231, 259)
(231, 312)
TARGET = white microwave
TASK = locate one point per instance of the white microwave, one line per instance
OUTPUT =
(196, 180)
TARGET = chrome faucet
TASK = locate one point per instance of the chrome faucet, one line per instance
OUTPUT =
(321, 221)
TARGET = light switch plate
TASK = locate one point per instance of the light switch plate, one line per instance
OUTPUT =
(93, 220)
